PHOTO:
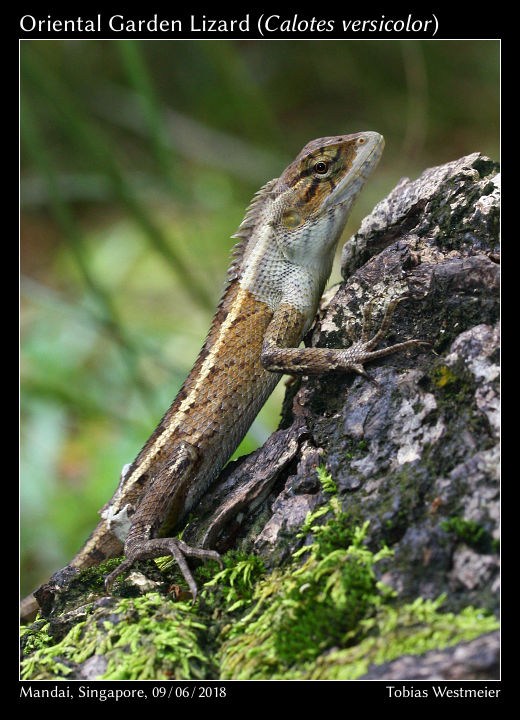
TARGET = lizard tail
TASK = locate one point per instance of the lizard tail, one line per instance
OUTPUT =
(101, 545)
(28, 609)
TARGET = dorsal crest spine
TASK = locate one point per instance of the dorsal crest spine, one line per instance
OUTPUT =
(246, 227)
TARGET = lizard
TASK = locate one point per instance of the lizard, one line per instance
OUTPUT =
(279, 269)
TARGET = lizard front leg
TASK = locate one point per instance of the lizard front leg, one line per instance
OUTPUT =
(278, 357)
(165, 494)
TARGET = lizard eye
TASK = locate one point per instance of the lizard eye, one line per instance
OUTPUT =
(321, 167)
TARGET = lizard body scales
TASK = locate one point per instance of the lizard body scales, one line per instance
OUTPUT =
(280, 266)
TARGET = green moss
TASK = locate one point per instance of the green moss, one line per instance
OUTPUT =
(471, 533)
(95, 576)
(325, 601)
(412, 629)
(324, 615)
(327, 483)
(330, 618)
(147, 637)
(232, 587)
(35, 637)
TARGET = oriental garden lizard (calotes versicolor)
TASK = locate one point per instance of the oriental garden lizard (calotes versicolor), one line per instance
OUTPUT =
(279, 269)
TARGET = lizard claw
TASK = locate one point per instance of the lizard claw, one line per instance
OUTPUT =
(159, 547)
(363, 350)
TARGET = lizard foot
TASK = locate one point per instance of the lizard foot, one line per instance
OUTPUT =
(159, 547)
(362, 350)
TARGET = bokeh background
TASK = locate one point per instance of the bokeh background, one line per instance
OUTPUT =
(138, 159)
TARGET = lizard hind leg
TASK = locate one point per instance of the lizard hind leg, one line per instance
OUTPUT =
(159, 547)
(141, 542)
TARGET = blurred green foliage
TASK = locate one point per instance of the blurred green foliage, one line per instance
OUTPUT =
(137, 162)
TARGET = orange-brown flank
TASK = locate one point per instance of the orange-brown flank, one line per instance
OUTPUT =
(226, 378)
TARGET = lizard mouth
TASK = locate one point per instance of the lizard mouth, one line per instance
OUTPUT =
(368, 154)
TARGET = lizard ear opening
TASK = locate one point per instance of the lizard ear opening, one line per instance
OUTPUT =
(292, 218)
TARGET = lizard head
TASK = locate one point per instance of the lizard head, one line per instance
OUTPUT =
(328, 172)
(318, 189)
(290, 231)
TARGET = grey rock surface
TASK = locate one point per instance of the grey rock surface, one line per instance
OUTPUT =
(477, 659)
(416, 451)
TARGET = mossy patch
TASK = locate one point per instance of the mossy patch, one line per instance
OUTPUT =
(148, 637)
(470, 532)
(324, 615)
(393, 631)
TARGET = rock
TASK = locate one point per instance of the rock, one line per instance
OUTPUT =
(477, 659)
(415, 452)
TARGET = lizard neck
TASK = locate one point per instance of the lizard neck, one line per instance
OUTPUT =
(273, 277)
